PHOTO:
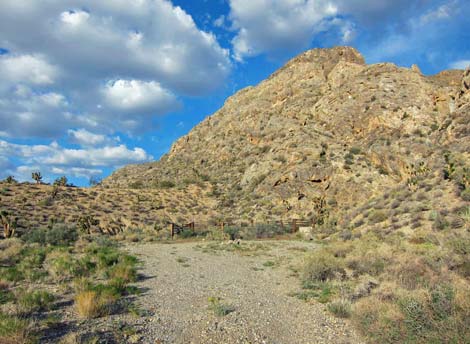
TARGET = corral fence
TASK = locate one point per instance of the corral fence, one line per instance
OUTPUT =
(288, 226)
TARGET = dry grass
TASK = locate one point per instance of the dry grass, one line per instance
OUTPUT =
(89, 304)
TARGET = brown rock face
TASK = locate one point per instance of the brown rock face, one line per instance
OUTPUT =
(325, 126)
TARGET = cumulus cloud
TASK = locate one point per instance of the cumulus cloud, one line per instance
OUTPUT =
(85, 138)
(274, 26)
(271, 27)
(139, 95)
(29, 69)
(56, 159)
(27, 113)
(152, 50)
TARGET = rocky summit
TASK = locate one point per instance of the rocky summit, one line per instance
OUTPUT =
(320, 137)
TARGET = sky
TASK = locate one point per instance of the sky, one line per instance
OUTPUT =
(88, 86)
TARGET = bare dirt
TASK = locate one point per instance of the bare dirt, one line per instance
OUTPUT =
(254, 283)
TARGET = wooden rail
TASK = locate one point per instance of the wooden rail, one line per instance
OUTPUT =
(293, 224)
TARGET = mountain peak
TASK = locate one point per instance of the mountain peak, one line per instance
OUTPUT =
(324, 129)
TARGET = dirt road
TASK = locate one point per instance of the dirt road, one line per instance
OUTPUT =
(189, 286)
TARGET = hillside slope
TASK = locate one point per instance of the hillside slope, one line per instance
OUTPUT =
(322, 135)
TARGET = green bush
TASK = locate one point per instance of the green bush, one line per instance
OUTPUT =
(187, 233)
(377, 216)
(14, 330)
(232, 231)
(166, 184)
(321, 266)
(268, 230)
(35, 301)
(219, 308)
(59, 235)
(340, 308)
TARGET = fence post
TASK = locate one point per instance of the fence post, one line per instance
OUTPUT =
(294, 225)
(222, 225)
(172, 230)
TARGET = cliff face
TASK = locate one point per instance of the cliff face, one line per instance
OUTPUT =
(321, 135)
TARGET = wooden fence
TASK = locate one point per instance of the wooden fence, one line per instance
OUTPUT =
(293, 225)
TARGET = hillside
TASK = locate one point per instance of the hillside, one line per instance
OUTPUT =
(323, 134)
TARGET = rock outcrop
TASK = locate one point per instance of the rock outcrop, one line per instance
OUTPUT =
(322, 134)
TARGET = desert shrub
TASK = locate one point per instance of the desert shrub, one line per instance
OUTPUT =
(340, 308)
(417, 319)
(59, 235)
(381, 321)
(187, 233)
(440, 222)
(232, 231)
(10, 250)
(61, 181)
(124, 270)
(14, 330)
(368, 261)
(136, 185)
(321, 266)
(81, 284)
(410, 271)
(34, 301)
(60, 265)
(346, 235)
(28, 264)
(465, 194)
(90, 304)
(377, 216)
(355, 150)
(105, 256)
(320, 291)
(268, 230)
(441, 301)
(5, 293)
(166, 184)
(219, 308)
(12, 274)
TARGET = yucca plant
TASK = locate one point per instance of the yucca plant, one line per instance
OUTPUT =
(37, 177)
(9, 224)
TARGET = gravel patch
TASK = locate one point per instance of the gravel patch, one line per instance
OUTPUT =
(252, 283)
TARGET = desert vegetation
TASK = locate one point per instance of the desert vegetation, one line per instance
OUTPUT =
(51, 276)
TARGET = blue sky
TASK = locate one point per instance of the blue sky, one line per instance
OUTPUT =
(88, 86)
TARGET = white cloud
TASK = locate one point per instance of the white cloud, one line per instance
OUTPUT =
(56, 159)
(26, 113)
(461, 64)
(434, 32)
(274, 26)
(442, 12)
(287, 26)
(219, 22)
(29, 69)
(74, 18)
(137, 95)
(153, 50)
(85, 138)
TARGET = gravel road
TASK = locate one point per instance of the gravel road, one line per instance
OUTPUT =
(253, 284)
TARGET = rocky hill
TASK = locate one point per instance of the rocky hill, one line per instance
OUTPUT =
(320, 137)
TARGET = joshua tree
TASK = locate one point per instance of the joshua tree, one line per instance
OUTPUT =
(9, 224)
(37, 177)
(62, 181)
(86, 223)
(10, 180)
